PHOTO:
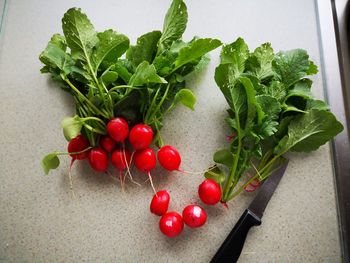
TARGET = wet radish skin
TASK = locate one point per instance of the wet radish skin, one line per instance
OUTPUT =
(209, 192)
(98, 159)
(194, 216)
(118, 129)
(145, 160)
(78, 144)
(141, 136)
(160, 203)
(171, 224)
(169, 158)
(107, 143)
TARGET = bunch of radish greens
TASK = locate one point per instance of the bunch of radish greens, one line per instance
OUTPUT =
(122, 91)
(271, 112)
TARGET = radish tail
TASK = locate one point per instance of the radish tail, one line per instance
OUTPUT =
(197, 173)
(121, 180)
(128, 167)
(70, 177)
(151, 181)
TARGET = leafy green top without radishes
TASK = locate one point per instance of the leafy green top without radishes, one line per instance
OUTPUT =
(271, 111)
(108, 77)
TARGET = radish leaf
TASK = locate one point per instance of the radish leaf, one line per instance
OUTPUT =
(235, 54)
(185, 97)
(71, 127)
(109, 77)
(224, 157)
(80, 34)
(174, 24)
(50, 162)
(195, 50)
(291, 66)
(111, 46)
(307, 132)
(260, 62)
(216, 174)
(144, 74)
(145, 48)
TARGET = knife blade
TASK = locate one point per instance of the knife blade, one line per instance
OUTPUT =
(232, 247)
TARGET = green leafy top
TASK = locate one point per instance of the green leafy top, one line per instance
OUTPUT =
(108, 77)
(271, 111)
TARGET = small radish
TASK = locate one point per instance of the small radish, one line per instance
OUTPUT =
(252, 186)
(255, 183)
(230, 137)
(160, 203)
(141, 136)
(121, 159)
(118, 129)
(107, 143)
(209, 192)
(78, 144)
(171, 224)
(98, 159)
(169, 158)
(194, 216)
(145, 160)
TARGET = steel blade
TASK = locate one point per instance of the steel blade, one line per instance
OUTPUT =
(258, 205)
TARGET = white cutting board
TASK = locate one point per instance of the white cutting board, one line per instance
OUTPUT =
(39, 220)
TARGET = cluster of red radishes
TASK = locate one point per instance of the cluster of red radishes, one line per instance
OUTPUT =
(171, 223)
(140, 137)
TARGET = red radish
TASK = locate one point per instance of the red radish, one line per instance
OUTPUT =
(118, 129)
(98, 159)
(169, 158)
(209, 192)
(171, 224)
(252, 186)
(121, 159)
(141, 136)
(160, 203)
(107, 143)
(145, 160)
(78, 144)
(194, 216)
(255, 183)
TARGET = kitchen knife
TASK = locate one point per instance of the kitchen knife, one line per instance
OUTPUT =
(231, 249)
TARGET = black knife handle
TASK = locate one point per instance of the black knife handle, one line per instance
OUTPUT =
(232, 247)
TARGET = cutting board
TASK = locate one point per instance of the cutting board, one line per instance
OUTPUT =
(39, 219)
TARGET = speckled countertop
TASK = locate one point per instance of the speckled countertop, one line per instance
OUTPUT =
(39, 220)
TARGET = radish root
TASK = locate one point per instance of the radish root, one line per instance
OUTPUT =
(197, 173)
(70, 178)
(128, 168)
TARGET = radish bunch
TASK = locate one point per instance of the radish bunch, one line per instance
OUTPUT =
(110, 78)
(123, 146)
(172, 223)
(122, 94)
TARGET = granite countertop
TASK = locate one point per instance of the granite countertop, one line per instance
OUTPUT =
(39, 219)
